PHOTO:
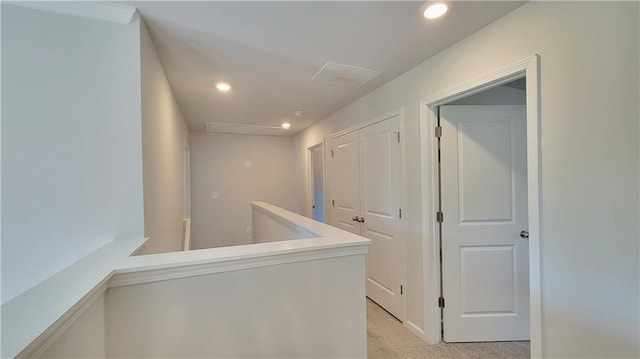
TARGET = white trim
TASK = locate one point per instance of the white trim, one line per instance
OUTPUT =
(497, 78)
(430, 254)
(534, 176)
(44, 341)
(403, 231)
(186, 234)
(324, 181)
(118, 13)
(414, 329)
(530, 68)
(361, 125)
(123, 278)
(311, 182)
(187, 180)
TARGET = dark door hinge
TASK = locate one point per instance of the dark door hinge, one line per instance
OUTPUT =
(401, 291)
(440, 217)
(400, 212)
(438, 132)
(333, 202)
(441, 302)
(331, 153)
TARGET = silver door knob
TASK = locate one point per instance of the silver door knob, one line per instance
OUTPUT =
(524, 234)
(361, 220)
(355, 219)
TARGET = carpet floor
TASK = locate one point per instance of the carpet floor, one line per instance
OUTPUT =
(388, 339)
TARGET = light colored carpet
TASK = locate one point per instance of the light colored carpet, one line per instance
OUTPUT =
(387, 338)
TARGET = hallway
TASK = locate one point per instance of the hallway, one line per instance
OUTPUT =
(387, 338)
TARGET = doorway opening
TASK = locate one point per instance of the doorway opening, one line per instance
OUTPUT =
(316, 182)
(186, 221)
(491, 148)
(482, 192)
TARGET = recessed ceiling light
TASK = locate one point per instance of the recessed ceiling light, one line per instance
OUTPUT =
(286, 125)
(223, 86)
(434, 11)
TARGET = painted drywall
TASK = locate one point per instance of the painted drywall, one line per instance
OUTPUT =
(589, 162)
(85, 338)
(309, 309)
(219, 164)
(501, 95)
(71, 141)
(267, 228)
(164, 137)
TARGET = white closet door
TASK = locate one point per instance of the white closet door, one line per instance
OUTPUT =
(380, 198)
(345, 183)
(484, 201)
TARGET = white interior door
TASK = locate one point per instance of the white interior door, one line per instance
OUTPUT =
(484, 201)
(345, 182)
(380, 198)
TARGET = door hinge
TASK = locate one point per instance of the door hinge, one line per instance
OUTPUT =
(333, 203)
(331, 153)
(441, 302)
(438, 132)
(440, 217)
(400, 212)
(401, 291)
(398, 136)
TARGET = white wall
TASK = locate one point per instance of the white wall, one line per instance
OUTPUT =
(218, 164)
(71, 141)
(589, 162)
(268, 228)
(308, 309)
(85, 338)
(164, 136)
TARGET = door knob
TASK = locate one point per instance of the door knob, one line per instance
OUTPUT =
(524, 234)
(361, 220)
(355, 219)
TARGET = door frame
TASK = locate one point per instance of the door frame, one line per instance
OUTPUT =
(529, 68)
(310, 179)
(187, 180)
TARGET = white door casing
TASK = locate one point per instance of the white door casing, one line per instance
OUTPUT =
(315, 182)
(367, 185)
(484, 201)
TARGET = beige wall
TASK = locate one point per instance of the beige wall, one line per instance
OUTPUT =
(308, 309)
(85, 338)
(164, 136)
(219, 164)
(589, 162)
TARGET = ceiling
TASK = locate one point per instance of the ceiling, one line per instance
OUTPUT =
(270, 51)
